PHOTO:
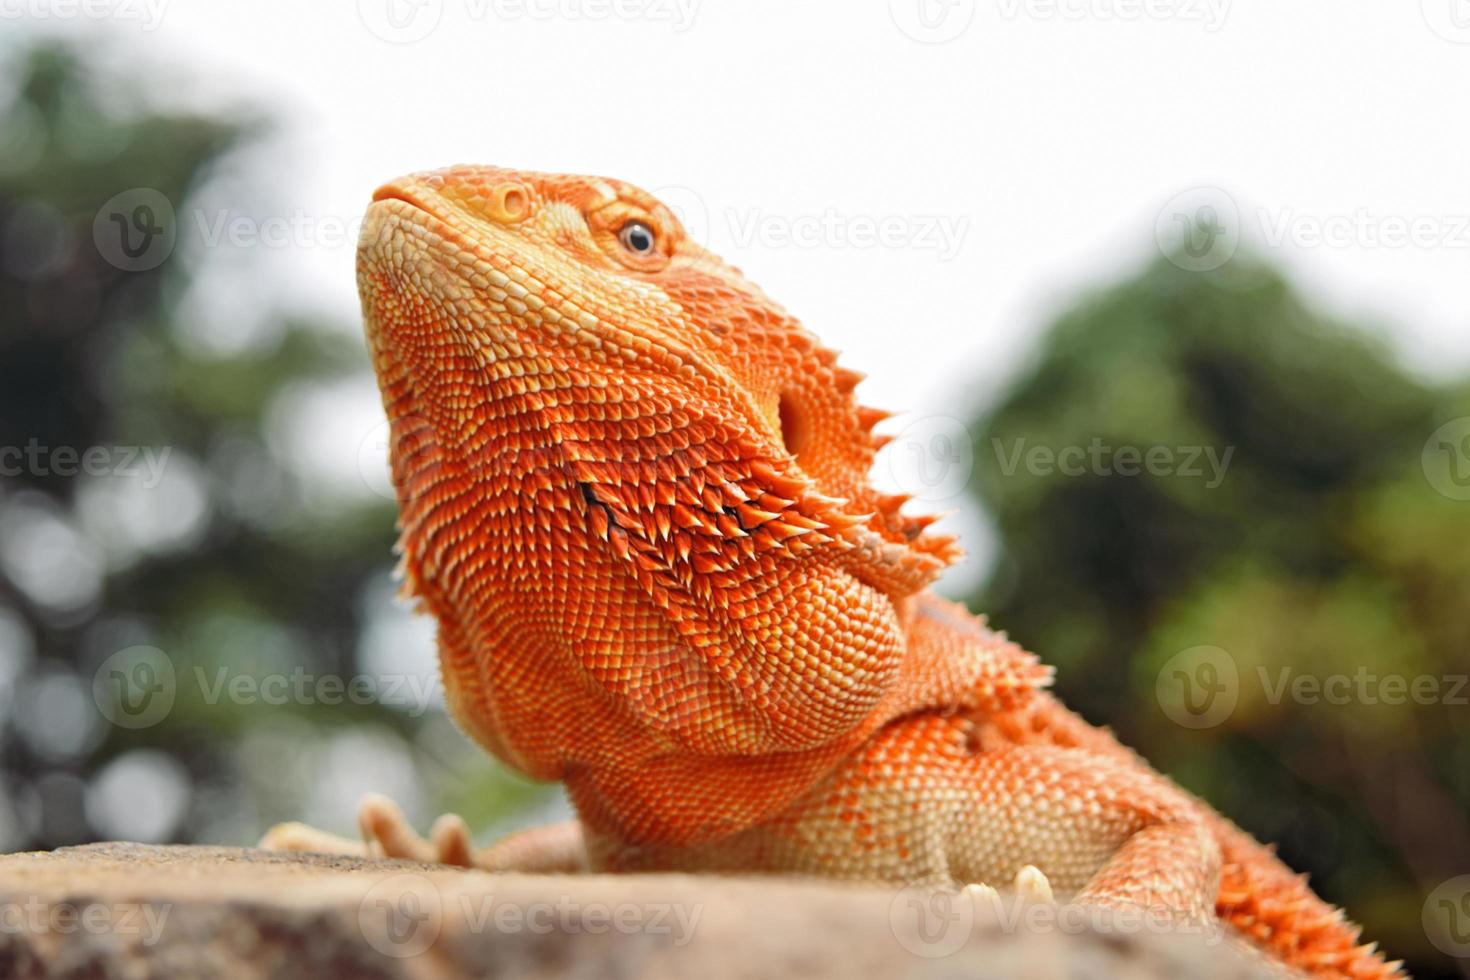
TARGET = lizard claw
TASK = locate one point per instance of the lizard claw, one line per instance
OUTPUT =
(451, 840)
(978, 892)
(386, 832)
(1033, 886)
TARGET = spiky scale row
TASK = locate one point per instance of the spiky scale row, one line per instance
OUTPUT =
(634, 492)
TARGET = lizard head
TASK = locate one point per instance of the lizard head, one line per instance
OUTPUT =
(543, 331)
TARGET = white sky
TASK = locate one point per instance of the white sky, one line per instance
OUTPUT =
(1047, 136)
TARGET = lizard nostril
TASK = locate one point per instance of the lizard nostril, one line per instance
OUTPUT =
(794, 428)
(512, 203)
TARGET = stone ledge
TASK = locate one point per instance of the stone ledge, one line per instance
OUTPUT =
(132, 911)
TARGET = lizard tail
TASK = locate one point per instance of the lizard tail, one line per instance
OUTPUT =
(1274, 908)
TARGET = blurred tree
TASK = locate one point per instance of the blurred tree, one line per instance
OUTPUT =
(152, 496)
(1245, 486)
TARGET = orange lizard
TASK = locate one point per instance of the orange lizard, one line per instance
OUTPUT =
(634, 493)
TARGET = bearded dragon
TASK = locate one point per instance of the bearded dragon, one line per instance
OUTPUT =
(634, 493)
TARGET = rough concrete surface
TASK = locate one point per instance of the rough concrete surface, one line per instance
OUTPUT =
(121, 910)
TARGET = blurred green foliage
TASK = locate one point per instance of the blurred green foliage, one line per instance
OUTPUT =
(231, 565)
(1316, 547)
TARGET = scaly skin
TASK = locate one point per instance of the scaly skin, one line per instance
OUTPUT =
(634, 493)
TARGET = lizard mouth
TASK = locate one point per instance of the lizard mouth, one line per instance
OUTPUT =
(394, 191)
(396, 210)
(411, 206)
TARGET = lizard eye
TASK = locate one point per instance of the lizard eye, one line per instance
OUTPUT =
(637, 238)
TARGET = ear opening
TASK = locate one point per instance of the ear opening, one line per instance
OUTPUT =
(795, 425)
